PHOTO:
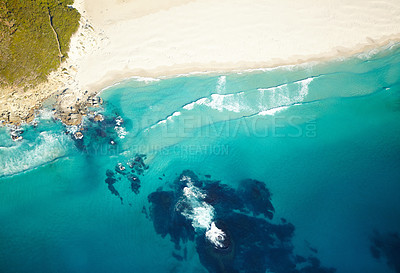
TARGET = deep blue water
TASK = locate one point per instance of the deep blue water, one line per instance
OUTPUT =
(296, 169)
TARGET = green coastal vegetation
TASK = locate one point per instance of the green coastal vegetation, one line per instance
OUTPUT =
(34, 39)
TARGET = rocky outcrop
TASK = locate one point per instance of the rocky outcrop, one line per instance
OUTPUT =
(62, 90)
(71, 112)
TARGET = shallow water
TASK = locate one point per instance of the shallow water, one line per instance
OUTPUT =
(323, 140)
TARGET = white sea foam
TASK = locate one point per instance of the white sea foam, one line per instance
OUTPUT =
(46, 114)
(72, 129)
(119, 121)
(193, 207)
(145, 79)
(272, 111)
(162, 121)
(263, 101)
(276, 99)
(373, 52)
(189, 106)
(25, 155)
(201, 216)
(121, 131)
(221, 84)
(215, 235)
(175, 114)
(272, 88)
(186, 178)
(268, 98)
(168, 118)
(304, 86)
(230, 102)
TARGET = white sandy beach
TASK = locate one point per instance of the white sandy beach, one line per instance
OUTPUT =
(158, 37)
(119, 39)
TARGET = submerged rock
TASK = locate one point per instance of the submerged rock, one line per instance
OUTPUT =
(230, 227)
(16, 132)
(387, 246)
(78, 135)
(16, 138)
(121, 173)
(98, 117)
(110, 181)
(258, 196)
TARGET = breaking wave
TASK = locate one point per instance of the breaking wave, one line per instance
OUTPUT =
(261, 101)
(25, 155)
(193, 207)
(221, 85)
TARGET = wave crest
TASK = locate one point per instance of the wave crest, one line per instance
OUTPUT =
(193, 207)
(25, 156)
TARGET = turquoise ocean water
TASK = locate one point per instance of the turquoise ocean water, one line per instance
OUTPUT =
(293, 169)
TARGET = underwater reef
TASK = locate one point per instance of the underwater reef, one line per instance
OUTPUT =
(232, 228)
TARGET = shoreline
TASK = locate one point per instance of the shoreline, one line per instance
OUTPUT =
(203, 36)
(186, 71)
(119, 40)
(163, 73)
(93, 98)
(61, 87)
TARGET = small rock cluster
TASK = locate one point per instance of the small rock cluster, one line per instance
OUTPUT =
(70, 112)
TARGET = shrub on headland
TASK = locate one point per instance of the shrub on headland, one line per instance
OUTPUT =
(29, 50)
